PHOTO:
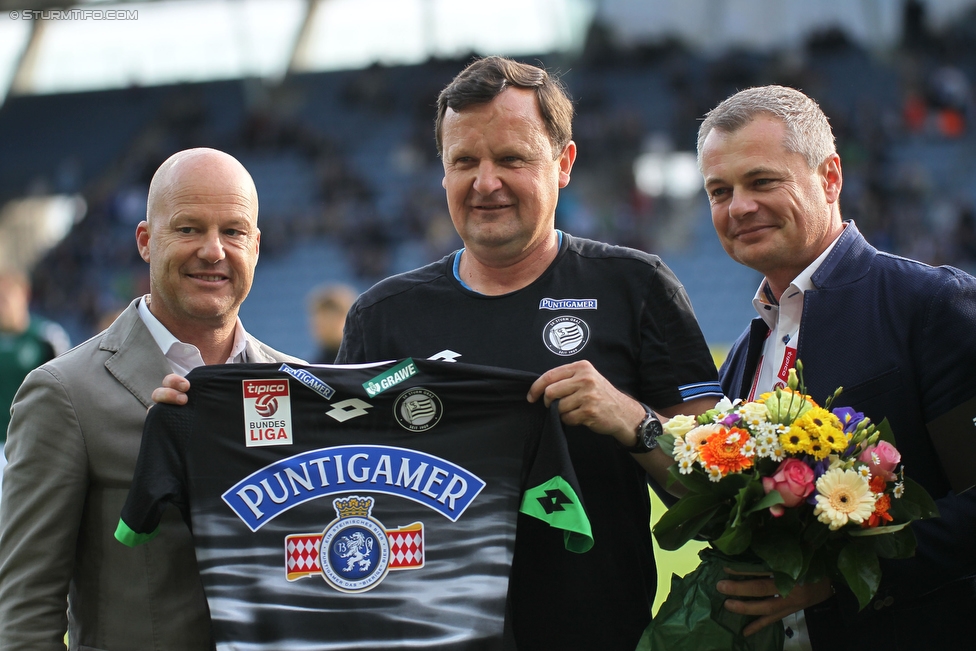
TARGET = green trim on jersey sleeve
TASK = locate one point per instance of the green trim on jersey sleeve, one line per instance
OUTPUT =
(556, 503)
(128, 537)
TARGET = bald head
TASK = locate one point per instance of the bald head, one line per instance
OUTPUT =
(200, 165)
(201, 241)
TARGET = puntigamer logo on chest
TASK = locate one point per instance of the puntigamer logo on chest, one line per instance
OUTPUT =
(267, 413)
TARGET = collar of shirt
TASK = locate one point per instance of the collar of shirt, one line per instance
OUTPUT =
(766, 304)
(783, 319)
(186, 357)
(457, 261)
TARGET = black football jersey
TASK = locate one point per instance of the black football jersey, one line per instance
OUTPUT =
(369, 507)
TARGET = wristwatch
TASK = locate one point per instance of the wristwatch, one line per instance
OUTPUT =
(647, 432)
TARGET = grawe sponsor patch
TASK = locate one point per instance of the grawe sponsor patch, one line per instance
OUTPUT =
(267, 413)
(402, 371)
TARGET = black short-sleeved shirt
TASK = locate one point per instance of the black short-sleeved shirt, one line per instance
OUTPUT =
(625, 312)
(371, 507)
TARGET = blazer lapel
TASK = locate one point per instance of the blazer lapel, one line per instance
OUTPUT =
(138, 363)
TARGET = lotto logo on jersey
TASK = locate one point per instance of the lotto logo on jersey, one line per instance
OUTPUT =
(267, 413)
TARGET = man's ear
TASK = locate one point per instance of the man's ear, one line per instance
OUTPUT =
(142, 239)
(832, 178)
(566, 160)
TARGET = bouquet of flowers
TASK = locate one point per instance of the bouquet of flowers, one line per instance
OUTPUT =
(783, 486)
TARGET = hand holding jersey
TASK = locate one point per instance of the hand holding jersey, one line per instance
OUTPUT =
(587, 398)
(173, 391)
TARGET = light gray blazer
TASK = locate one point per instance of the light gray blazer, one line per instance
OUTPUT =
(72, 445)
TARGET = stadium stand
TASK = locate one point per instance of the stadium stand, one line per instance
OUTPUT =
(349, 181)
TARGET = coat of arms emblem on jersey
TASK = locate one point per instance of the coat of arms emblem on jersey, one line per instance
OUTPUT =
(355, 551)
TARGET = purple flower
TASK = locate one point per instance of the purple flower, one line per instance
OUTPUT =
(848, 418)
(730, 420)
(819, 468)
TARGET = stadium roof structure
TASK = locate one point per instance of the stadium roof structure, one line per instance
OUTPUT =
(48, 47)
(56, 46)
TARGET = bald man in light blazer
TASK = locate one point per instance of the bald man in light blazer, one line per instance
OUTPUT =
(76, 428)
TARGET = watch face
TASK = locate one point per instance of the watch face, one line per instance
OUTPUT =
(649, 433)
(654, 429)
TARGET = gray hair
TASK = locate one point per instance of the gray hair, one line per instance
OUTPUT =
(808, 132)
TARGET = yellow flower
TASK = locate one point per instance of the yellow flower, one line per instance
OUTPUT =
(795, 441)
(822, 425)
(843, 496)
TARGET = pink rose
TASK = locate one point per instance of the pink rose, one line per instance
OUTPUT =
(793, 480)
(882, 459)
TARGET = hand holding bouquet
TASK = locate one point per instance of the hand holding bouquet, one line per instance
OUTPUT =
(784, 486)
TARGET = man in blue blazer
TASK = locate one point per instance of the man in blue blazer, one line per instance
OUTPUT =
(898, 335)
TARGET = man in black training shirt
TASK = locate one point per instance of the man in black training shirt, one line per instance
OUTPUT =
(608, 328)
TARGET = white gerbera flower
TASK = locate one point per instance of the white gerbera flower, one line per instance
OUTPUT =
(843, 496)
(698, 436)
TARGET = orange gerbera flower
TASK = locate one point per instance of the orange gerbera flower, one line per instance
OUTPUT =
(877, 484)
(880, 515)
(723, 450)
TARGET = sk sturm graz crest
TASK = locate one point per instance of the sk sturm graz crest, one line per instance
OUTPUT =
(417, 409)
(355, 551)
(565, 335)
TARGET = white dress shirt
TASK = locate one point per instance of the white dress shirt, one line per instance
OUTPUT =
(186, 357)
(778, 356)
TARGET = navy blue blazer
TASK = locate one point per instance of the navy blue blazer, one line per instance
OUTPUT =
(900, 337)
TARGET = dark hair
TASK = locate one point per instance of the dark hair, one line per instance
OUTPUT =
(485, 79)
